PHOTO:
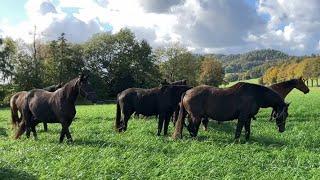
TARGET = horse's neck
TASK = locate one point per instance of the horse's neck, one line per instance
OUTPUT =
(283, 89)
(286, 90)
(70, 93)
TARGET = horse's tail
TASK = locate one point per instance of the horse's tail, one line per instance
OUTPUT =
(181, 118)
(118, 116)
(14, 112)
(26, 117)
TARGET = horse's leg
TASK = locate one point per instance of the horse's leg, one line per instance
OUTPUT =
(28, 128)
(126, 118)
(21, 129)
(160, 123)
(175, 116)
(45, 127)
(239, 129)
(205, 122)
(63, 132)
(69, 137)
(272, 114)
(196, 121)
(34, 132)
(166, 124)
(247, 128)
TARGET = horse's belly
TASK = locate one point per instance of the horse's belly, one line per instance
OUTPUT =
(223, 115)
(43, 113)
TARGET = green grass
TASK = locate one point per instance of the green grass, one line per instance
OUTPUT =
(98, 152)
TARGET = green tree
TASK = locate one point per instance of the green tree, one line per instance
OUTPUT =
(211, 72)
(7, 52)
(121, 62)
(177, 63)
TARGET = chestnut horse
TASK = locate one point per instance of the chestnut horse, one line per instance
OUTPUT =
(17, 101)
(54, 107)
(284, 88)
(241, 101)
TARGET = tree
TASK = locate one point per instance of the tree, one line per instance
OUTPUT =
(121, 62)
(177, 63)
(211, 72)
(63, 61)
(7, 52)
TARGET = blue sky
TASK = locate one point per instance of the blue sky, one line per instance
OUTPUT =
(203, 26)
(13, 10)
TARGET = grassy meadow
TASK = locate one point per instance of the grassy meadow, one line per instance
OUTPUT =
(98, 152)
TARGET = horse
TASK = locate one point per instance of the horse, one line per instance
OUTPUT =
(54, 107)
(161, 101)
(284, 88)
(241, 101)
(166, 83)
(17, 100)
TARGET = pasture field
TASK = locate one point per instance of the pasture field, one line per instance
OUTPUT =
(98, 152)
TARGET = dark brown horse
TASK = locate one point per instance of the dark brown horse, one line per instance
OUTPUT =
(241, 101)
(54, 107)
(16, 103)
(161, 101)
(284, 88)
(166, 83)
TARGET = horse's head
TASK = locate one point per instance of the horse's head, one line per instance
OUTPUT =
(301, 85)
(281, 116)
(86, 89)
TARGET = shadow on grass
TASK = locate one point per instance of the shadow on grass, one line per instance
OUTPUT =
(227, 127)
(3, 132)
(8, 173)
(267, 141)
(94, 143)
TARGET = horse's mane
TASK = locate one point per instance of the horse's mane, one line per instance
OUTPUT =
(288, 83)
(68, 88)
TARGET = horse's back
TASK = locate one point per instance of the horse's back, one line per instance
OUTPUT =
(142, 101)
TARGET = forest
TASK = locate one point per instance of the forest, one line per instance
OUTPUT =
(118, 61)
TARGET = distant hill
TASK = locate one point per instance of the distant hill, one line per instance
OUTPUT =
(251, 64)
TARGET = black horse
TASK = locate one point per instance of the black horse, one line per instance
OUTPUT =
(54, 107)
(161, 101)
(17, 101)
(241, 101)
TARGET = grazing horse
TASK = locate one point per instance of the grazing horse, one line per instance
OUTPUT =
(166, 83)
(284, 88)
(54, 107)
(16, 103)
(161, 101)
(241, 101)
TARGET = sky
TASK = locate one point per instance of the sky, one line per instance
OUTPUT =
(203, 26)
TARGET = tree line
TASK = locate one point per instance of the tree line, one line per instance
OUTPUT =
(114, 62)
(308, 68)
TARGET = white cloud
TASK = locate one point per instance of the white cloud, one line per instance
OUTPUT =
(50, 21)
(293, 26)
